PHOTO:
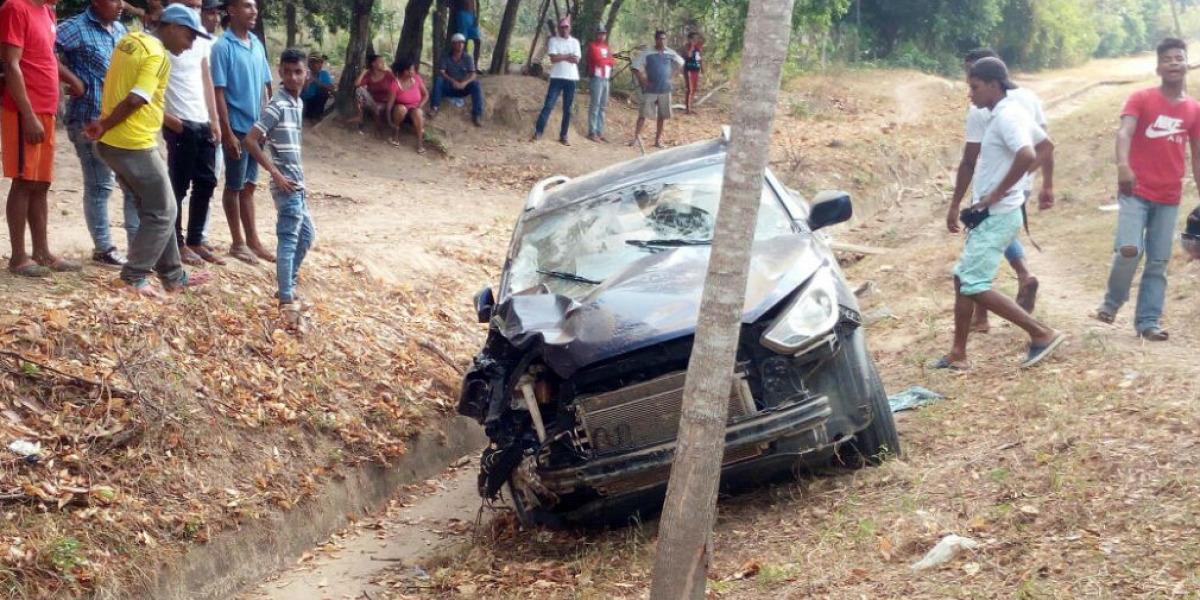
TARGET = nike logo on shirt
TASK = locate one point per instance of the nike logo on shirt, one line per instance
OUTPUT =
(1163, 127)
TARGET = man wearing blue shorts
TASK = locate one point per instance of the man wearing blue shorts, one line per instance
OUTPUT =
(466, 22)
(241, 78)
(1011, 147)
(977, 120)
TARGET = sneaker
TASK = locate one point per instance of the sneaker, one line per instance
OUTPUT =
(477, 120)
(109, 258)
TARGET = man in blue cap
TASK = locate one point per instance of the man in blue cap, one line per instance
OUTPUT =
(131, 118)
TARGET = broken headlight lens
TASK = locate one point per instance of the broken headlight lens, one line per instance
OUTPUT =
(812, 314)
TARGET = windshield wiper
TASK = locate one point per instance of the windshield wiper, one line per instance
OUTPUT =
(570, 277)
(668, 242)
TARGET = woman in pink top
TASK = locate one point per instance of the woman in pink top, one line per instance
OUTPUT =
(376, 93)
(411, 95)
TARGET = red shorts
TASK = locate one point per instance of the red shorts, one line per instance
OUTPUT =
(693, 79)
(22, 160)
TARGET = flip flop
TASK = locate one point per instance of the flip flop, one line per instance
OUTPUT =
(564, 141)
(944, 363)
(191, 280)
(263, 254)
(1154, 334)
(659, 145)
(31, 270)
(243, 254)
(144, 289)
(190, 257)
(1027, 295)
(421, 150)
(206, 255)
(62, 265)
(1038, 352)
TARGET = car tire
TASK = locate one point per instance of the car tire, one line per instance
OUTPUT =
(851, 375)
(530, 517)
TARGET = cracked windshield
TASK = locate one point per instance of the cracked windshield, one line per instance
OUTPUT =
(571, 250)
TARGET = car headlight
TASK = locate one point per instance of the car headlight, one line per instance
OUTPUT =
(812, 314)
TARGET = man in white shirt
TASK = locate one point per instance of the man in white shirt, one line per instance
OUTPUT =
(977, 120)
(564, 52)
(193, 134)
(1009, 149)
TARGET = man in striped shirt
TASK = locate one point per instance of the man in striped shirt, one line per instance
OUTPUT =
(280, 126)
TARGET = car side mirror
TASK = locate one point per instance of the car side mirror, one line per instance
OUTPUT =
(485, 301)
(829, 207)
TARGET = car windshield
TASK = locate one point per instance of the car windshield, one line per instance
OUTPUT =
(572, 250)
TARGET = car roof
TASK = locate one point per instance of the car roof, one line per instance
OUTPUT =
(623, 174)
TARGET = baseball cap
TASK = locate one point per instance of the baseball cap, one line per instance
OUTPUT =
(992, 69)
(458, 37)
(564, 22)
(212, 4)
(178, 14)
(601, 28)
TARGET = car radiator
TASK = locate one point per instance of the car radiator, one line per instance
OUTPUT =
(645, 414)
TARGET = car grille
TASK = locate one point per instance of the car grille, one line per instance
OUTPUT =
(646, 414)
(659, 475)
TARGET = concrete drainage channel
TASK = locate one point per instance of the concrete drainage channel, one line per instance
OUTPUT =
(234, 561)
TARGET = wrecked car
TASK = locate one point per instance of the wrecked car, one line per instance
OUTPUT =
(579, 384)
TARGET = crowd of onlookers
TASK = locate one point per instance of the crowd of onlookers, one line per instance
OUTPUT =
(196, 77)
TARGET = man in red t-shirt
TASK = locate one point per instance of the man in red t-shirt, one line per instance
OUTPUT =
(27, 110)
(600, 66)
(1156, 123)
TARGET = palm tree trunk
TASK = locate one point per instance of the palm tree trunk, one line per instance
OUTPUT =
(685, 530)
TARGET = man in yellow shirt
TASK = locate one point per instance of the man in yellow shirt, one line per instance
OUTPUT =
(131, 115)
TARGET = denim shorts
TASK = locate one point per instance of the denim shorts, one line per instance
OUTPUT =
(984, 250)
(239, 172)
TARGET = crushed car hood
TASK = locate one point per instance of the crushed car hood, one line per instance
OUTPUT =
(653, 300)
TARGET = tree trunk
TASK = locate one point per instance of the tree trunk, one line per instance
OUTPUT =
(500, 51)
(290, 24)
(1175, 16)
(612, 16)
(441, 37)
(260, 24)
(356, 53)
(412, 32)
(537, 34)
(685, 529)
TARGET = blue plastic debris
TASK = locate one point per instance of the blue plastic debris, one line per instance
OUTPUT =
(913, 397)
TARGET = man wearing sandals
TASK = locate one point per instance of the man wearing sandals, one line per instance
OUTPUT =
(27, 32)
(1156, 123)
(280, 126)
(977, 119)
(654, 70)
(131, 117)
(1011, 147)
(192, 131)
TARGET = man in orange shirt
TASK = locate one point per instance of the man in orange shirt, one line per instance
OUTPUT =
(27, 112)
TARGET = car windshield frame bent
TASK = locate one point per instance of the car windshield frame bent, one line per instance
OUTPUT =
(576, 247)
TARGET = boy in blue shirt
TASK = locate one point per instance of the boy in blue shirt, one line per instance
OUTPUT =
(280, 127)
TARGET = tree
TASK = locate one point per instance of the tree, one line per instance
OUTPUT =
(356, 53)
(685, 530)
(500, 50)
(412, 32)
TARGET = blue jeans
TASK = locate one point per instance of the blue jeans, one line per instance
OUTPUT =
(1149, 228)
(441, 87)
(598, 91)
(566, 87)
(98, 183)
(296, 233)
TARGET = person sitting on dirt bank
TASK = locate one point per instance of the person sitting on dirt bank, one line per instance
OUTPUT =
(318, 88)
(1011, 147)
(456, 79)
(281, 126)
(654, 70)
(131, 118)
(376, 93)
(1156, 123)
(411, 98)
(977, 120)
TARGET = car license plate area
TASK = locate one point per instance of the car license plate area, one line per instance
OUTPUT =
(646, 414)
